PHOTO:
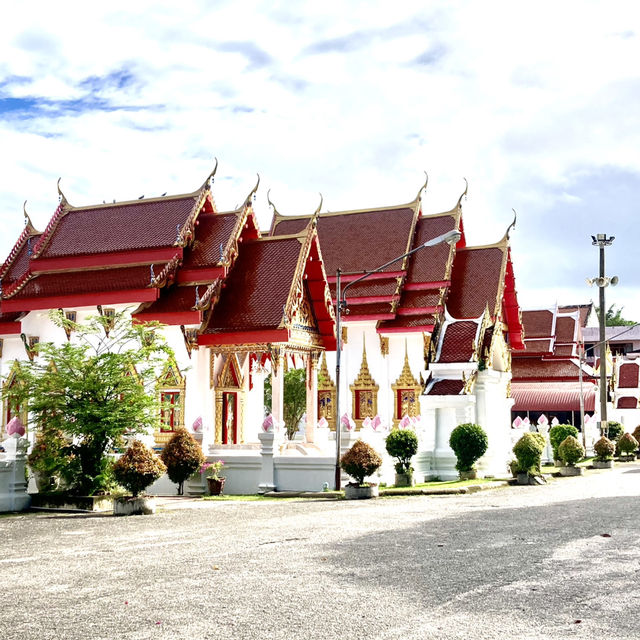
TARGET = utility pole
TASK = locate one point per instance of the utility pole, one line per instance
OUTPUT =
(601, 241)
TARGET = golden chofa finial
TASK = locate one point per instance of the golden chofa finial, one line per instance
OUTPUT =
(317, 211)
(513, 224)
(61, 196)
(423, 187)
(27, 219)
(464, 193)
(273, 206)
(252, 193)
(209, 181)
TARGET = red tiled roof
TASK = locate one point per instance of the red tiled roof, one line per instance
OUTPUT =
(538, 324)
(430, 264)
(565, 329)
(552, 396)
(627, 402)
(372, 309)
(20, 264)
(413, 322)
(537, 346)
(142, 224)
(628, 376)
(174, 298)
(566, 350)
(583, 309)
(367, 288)
(82, 282)
(457, 342)
(256, 290)
(533, 368)
(475, 281)
(212, 231)
(442, 387)
(420, 299)
(358, 241)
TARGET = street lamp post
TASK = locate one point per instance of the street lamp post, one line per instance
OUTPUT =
(601, 241)
(451, 238)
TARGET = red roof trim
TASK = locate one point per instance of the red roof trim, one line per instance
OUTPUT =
(373, 316)
(244, 337)
(382, 275)
(186, 276)
(420, 286)
(170, 317)
(416, 311)
(368, 299)
(81, 300)
(427, 328)
(10, 328)
(117, 258)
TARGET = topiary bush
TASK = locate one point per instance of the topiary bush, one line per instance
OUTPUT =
(183, 456)
(570, 451)
(360, 461)
(604, 449)
(469, 442)
(558, 434)
(627, 443)
(402, 444)
(614, 430)
(138, 468)
(636, 433)
(528, 451)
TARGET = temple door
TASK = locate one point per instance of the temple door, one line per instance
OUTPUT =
(229, 417)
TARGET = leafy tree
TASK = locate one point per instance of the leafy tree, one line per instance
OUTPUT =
(182, 456)
(402, 444)
(295, 398)
(613, 317)
(93, 389)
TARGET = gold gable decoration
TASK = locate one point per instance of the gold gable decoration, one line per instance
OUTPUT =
(326, 394)
(364, 392)
(406, 392)
(172, 383)
(230, 399)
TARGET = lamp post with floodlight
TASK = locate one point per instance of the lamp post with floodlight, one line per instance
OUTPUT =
(451, 238)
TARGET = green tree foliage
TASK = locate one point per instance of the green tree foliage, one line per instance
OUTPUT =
(295, 398)
(93, 389)
(528, 452)
(613, 317)
(402, 444)
(604, 449)
(360, 461)
(138, 468)
(557, 434)
(469, 442)
(52, 459)
(627, 443)
(570, 450)
(182, 456)
(614, 430)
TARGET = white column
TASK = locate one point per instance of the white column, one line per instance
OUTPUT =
(312, 398)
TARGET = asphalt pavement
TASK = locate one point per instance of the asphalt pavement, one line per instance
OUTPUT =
(556, 561)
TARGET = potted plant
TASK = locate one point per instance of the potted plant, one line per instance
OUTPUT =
(135, 471)
(528, 452)
(628, 445)
(361, 461)
(604, 449)
(636, 435)
(469, 442)
(402, 444)
(557, 434)
(570, 452)
(215, 481)
(614, 431)
(182, 456)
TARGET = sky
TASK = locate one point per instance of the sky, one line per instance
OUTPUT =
(535, 104)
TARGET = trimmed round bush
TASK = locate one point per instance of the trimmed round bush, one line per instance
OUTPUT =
(570, 450)
(604, 449)
(614, 430)
(636, 433)
(183, 457)
(402, 444)
(469, 442)
(138, 468)
(627, 443)
(558, 434)
(528, 452)
(360, 461)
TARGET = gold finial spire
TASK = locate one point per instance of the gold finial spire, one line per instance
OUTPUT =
(464, 193)
(423, 187)
(27, 219)
(210, 177)
(252, 193)
(63, 198)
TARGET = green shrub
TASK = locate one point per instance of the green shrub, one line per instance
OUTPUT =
(138, 468)
(558, 434)
(604, 449)
(469, 442)
(402, 444)
(528, 451)
(360, 461)
(627, 443)
(570, 450)
(53, 460)
(182, 456)
(614, 430)
(636, 433)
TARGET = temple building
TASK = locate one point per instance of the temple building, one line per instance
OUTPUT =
(426, 341)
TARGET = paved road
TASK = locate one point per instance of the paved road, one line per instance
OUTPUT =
(518, 562)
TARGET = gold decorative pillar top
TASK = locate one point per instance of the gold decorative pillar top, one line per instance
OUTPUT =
(406, 392)
(364, 391)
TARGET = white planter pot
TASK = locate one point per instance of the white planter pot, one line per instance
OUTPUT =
(571, 471)
(128, 506)
(355, 492)
(603, 464)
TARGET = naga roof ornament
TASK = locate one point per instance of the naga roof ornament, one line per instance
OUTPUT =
(63, 199)
(464, 193)
(423, 187)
